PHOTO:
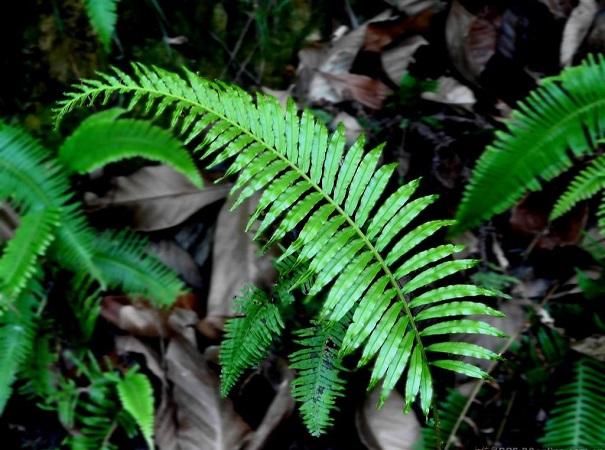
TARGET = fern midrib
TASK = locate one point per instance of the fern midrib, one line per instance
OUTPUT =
(121, 88)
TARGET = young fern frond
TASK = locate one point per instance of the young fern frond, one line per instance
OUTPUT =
(18, 261)
(353, 246)
(103, 17)
(248, 338)
(17, 334)
(318, 383)
(124, 260)
(564, 117)
(450, 409)
(578, 416)
(104, 138)
(136, 396)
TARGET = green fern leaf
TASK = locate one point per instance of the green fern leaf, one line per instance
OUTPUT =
(136, 395)
(578, 416)
(103, 17)
(18, 262)
(105, 137)
(584, 186)
(17, 334)
(329, 198)
(248, 338)
(318, 383)
(565, 116)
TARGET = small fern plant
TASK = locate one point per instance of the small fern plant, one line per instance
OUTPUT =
(579, 413)
(561, 120)
(358, 238)
(52, 229)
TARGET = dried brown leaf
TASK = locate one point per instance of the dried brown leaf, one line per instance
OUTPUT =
(396, 60)
(576, 29)
(386, 428)
(157, 197)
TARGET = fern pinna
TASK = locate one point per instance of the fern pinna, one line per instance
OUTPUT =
(563, 118)
(579, 413)
(350, 228)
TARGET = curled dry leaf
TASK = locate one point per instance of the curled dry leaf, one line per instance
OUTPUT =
(137, 320)
(451, 92)
(352, 127)
(396, 60)
(361, 88)
(471, 40)
(576, 29)
(157, 197)
(379, 34)
(235, 264)
(387, 428)
(593, 346)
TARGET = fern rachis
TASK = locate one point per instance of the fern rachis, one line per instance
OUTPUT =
(308, 183)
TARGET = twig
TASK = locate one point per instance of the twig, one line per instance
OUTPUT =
(226, 49)
(509, 407)
(238, 44)
(476, 390)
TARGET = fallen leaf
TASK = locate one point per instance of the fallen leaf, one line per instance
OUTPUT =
(351, 86)
(471, 40)
(235, 263)
(576, 29)
(559, 8)
(396, 60)
(451, 92)
(412, 7)
(593, 346)
(381, 33)
(137, 320)
(336, 59)
(156, 197)
(203, 419)
(281, 95)
(179, 260)
(352, 127)
(387, 428)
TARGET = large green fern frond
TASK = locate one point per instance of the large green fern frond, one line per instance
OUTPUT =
(105, 137)
(17, 334)
(565, 116)
(318, 382)
(103, 17)
(579, 414)
(351, 229)
(249, 337)
(18, 261)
